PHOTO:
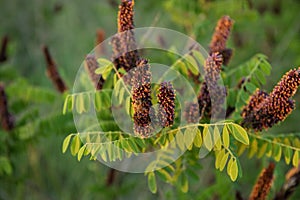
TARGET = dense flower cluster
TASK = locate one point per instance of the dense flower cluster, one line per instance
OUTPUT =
(263, 111)
(219, 39)
(91, 65)
(125, 54)
(52, 72)
(263, 185)
(141, 99)
(166, 101)
(191, 112)
(211, 90)
(7, 120)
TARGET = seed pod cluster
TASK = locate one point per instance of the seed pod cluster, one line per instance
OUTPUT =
(91, 65)
(220, 37)
(263, 185)
(7, 120)
(52, 72)
(263, 111)
(166, 101)
(141, 99)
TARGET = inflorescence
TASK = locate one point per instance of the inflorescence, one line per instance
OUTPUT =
(263, 185)
(7, 120)
(52, 72)
(166, 101)
(263, 110)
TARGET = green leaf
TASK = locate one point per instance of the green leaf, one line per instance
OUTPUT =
(192, 64)
(152, 182)
(287, 155)
(164, 175)
(66, 143)
(296, 159)
(225, 137)
(224, 161)
(65, 108)
(240, 134)
(104, 66)
(198, 139)
(217, 138)
(231, 160)
(80, 103)
(80, 152)
(287, 151)
(219, 156)
(234, 171)
(189, 135)
(127, 105)
(121, 95)
(5, 165)
(207, 140)
(180, 140)
(253, 148)
(241, 149)
(269, 150)
(277, 152)
(184, 184)
(75, 146)
(262, 150)
(250, 87)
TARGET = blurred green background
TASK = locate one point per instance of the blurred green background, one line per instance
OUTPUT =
(41, 171)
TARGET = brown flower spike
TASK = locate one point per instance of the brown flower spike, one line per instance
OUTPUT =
(7, 120)
(3, 50)
(141, 99)
(91, 65)
(272, 108)
(125, 54)
(220, 37)
(211, 90)
(52, 72)
(191, 112)
(263, 185)
(166, 101)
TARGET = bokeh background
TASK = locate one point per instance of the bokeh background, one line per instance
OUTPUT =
(41, 171)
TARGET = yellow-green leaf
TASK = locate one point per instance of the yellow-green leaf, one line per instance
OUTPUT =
(207, 140)
(278, 153)
(189, 135)
(229, 165)
(269, 150)
(296, 159)
(262, 150)
(225, 137)
(75, 145)
(224, 161)
(253, 148)
(198, 138)
(66, 143)
(287, 155)
(184, 184)
(234, 171)
(80, 152)
(180, 140)
(152, 182)
(241, 149)
(219, 156)
(240, 134)
(217, 138)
